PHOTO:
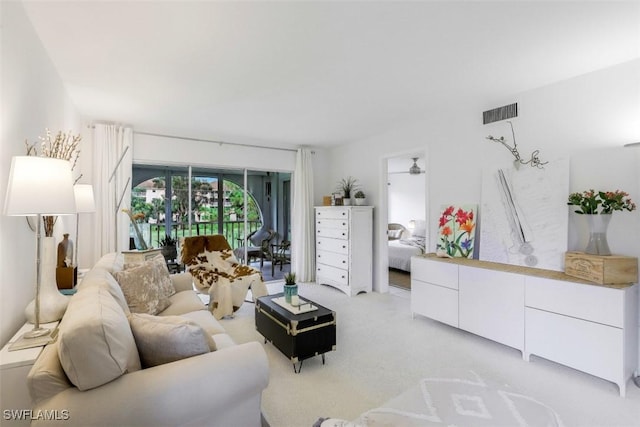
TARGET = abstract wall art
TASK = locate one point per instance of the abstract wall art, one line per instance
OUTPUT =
(524, 215)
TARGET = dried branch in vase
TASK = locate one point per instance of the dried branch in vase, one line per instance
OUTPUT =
(64, 146)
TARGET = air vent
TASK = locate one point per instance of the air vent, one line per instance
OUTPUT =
(500, 113)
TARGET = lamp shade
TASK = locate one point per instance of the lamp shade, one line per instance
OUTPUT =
(39, 185)
(84, 198)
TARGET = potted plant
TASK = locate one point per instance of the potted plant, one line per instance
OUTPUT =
(169, 249)
(290, 288)
(360, 197)
(347, 186)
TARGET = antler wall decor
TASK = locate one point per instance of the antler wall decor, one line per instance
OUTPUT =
(534, 161)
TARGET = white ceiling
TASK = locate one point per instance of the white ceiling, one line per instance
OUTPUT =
(317, 73)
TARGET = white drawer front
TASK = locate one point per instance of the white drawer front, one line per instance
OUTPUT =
(595, 303)
(341, 224)
(434, 302)
(334, 233)
(333, 245)
(589, 347)
(436, 272)
(333, 259)
(332, 213)
(336, 274)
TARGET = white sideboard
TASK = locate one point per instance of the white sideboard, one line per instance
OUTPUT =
(591, 328)
(344, 247)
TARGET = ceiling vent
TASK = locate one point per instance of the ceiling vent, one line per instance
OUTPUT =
(500, 113)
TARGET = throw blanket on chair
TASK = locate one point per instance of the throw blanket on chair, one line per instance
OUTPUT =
(216, 271)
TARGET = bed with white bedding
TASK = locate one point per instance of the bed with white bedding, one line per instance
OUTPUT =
(401, 251)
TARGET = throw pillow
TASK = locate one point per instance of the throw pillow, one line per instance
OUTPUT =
(141, 288)
(164, 279)
(167, 339)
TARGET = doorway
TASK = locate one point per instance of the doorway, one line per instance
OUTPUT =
(406, 215)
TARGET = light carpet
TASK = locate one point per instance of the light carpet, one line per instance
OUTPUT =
(383, 353)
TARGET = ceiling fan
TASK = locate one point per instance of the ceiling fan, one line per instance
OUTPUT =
(415, 169)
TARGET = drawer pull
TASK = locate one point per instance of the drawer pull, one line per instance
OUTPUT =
(343, 234)
(344, 223)
(344, 262)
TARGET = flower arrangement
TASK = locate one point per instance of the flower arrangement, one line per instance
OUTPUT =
(64, 146)
(456, 230)
(593, 202)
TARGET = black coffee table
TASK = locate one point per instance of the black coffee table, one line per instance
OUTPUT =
(297, 336)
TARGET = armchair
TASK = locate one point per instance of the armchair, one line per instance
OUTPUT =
(217, 272)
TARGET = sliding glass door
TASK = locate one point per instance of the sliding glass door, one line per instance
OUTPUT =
(186, 201)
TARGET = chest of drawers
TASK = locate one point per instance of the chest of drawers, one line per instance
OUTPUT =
(344, 245)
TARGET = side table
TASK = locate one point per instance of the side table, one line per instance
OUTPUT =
(14, 367)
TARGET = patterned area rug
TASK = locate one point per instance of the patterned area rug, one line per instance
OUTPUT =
(470, 401)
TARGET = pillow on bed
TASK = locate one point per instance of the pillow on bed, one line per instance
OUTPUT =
(395, 234)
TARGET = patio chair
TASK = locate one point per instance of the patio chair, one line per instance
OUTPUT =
(281, 255)
(258, 245)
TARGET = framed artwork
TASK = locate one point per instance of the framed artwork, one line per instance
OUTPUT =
(456, 231)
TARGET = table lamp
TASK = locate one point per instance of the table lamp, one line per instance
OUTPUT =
(39, 186)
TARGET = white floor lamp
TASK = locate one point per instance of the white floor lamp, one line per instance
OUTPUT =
(39, 186)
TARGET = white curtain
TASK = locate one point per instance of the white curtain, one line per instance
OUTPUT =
(110, 142)
(303, 236)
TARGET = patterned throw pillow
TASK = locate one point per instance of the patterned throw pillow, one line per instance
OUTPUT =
(142, 288)
(164, 339)
(164, 279)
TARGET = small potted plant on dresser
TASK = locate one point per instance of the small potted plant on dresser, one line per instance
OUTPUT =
(169, 249)
(290, 289)
(360, 198)
(347, 186)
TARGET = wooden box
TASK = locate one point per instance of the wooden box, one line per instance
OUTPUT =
(66, 277)
(604, 270)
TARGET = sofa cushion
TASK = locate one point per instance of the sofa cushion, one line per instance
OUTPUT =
(96, 345)
(141, 286)
(47, 378)
(183, 302)
(167, 339)
(101, 277)
(206, 321)
(111, 262)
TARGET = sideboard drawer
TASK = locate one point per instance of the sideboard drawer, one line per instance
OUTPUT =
(589, 347)
(436, 272)
(594, 303)
(435, 302)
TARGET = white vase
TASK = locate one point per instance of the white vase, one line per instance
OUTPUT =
(360, 201)
(52, 303)
(598, 234)
(346, 201)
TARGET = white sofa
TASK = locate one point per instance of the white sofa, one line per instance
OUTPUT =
(217, 388)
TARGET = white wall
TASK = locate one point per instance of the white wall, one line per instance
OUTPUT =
(33, 98)
(406, 198)
(587, 118)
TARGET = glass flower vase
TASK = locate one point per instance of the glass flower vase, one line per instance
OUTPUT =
(598, 234)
